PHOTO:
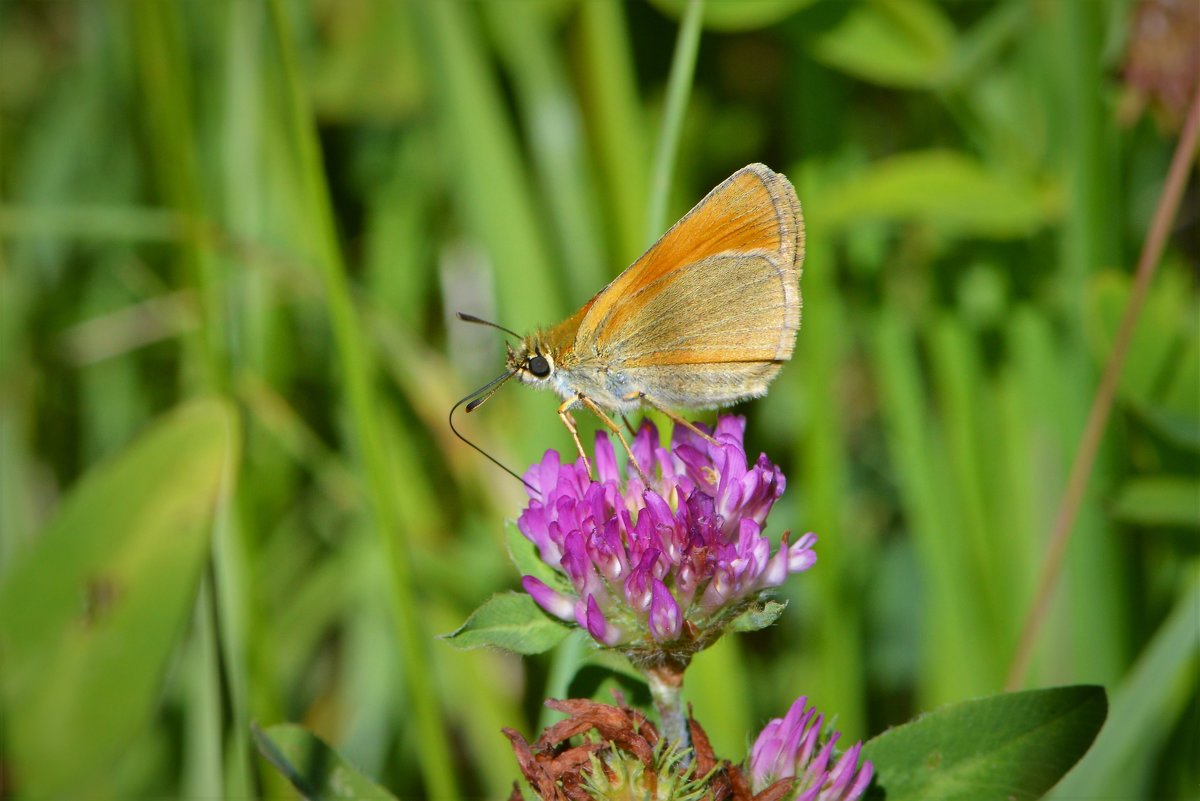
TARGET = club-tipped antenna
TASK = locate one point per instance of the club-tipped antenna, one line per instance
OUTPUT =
(475, 404)
(470, 318)
(473, 401)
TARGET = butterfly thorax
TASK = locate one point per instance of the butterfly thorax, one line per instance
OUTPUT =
(544, 359)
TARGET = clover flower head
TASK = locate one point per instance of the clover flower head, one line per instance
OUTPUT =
(665, 565)
(791, 748)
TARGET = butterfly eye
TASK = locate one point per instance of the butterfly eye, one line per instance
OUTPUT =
(539, 366)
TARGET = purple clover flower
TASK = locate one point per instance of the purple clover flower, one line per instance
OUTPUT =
(790, 748)
(663, 566)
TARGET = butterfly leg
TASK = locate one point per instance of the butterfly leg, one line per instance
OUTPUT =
(564, 414)
(628, 426)
(616, 429)
(646, 399)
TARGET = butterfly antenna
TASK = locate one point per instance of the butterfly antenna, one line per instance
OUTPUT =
(474, 400)
(470, 318)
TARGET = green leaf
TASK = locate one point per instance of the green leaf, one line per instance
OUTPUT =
(1159, 501)
(526, 559)
(90, 616)
(512, 621)
(758, 616)
(314, 769)
(942, 188)
(736, 15)
(902, 43)
(1006, 747)
(1181, 430)
(1150, 707)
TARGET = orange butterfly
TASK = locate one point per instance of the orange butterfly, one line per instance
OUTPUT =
(705, 318)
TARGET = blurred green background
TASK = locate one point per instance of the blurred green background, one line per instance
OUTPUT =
(234, 237)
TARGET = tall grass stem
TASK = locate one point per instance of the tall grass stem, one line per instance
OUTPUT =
(357, 376)
(679, 88)
(616, 122)
(167, 80)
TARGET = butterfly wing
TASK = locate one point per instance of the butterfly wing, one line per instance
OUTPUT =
(715, 304)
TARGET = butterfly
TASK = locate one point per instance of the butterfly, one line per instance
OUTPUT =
(705, 318)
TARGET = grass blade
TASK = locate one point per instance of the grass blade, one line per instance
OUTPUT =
(679, 87)
(358, 382)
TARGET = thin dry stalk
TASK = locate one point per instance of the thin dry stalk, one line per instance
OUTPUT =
(1089, 445)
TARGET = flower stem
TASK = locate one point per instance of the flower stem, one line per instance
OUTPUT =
(665, 686)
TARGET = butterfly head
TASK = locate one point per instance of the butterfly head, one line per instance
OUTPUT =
(530, 361)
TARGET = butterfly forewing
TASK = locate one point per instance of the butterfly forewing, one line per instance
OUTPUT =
(715, 303)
